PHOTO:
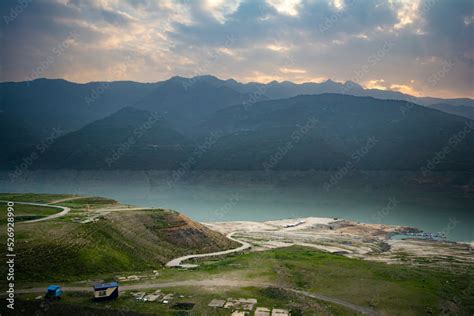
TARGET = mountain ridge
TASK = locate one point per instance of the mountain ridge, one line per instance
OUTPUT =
(251, 126)
(300, 133)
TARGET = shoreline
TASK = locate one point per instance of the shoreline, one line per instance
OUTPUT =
(349, 238)
(403, 229)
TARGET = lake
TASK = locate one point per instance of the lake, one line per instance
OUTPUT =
(443, 202)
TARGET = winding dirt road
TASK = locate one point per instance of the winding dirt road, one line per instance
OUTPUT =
(177, 262)
(64, 211)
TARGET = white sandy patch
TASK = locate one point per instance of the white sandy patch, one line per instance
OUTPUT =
(275, 225)
(368, 241)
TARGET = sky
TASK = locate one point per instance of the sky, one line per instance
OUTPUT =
(419, 47)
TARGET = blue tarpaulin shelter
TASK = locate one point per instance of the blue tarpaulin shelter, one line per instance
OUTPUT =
(54, 291)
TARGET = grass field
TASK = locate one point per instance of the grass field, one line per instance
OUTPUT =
(392, 289)
(389, 289)
(91, 202)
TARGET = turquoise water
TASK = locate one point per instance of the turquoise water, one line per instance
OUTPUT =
(443, 203)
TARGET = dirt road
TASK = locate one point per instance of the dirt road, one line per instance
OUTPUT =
(66, 199)
(64, 211)
(218, 282)
(177, 262)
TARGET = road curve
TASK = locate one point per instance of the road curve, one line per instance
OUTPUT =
(64, 211)
(177, 262)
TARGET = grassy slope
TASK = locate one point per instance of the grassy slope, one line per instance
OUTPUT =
(61, 249)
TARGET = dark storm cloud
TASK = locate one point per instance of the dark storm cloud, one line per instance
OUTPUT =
(257, 40)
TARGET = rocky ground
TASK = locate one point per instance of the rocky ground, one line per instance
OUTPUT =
(352, 239)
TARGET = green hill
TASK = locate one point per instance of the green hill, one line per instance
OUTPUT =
(324, 132)
(405, 135)
(184, 103)
(68, 248)
(130, 138)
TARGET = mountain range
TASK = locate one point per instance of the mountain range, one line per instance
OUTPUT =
(208, 123)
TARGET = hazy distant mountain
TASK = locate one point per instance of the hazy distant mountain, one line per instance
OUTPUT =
(461, 110)
(406, 139)
(325, 132)
(128, 139)
(251, 129)
(15, 142)
(44, 104)
(455, 102)
(277, 90)
(287, 89)
(187, 102)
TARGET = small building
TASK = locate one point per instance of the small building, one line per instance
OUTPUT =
(54, 292)
(280, 312)
(106, 291)
(216, 303)
(262, 311)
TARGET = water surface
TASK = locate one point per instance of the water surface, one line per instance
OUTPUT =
(441, 203)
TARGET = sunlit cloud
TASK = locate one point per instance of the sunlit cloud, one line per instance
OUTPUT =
(362, 36)
(286, 70)
(258, 76)
(287, 7)
(220, 9)
(338, 4)
(309, 79)
(407, 12)
(277, 48)
(375, 84)
(227, 51)
(382, 84)
(404, 89)
(271, 40)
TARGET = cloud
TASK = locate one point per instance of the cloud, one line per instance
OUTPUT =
(407, 13)
(220, 9)
(288, 7)
(286, 70)
(260, 40)
(404, 89)
(375, 84)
